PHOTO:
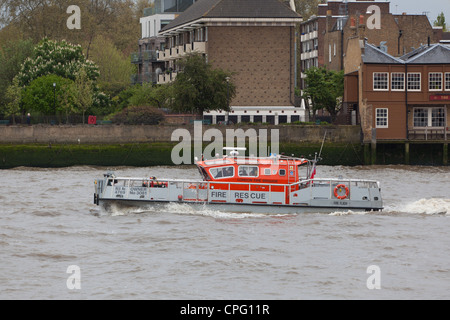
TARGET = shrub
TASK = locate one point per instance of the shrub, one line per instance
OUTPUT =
(138, 115)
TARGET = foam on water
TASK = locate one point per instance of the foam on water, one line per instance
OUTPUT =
(428, 206)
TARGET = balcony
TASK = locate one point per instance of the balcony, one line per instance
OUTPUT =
(164, 78)
(149, 77)
(309, 36)
(309, 55)
(143, 56)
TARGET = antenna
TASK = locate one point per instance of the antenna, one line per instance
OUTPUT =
(323, 140)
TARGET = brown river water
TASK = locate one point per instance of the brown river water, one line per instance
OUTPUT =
(50, 227)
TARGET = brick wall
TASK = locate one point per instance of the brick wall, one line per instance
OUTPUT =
(261, 59)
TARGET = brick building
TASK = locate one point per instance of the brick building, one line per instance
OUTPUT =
(253, 39)
(405, 98)
(324, 37)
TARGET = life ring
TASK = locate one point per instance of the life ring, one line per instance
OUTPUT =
(339, 187)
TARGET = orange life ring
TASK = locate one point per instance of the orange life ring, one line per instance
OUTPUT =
(340, 187)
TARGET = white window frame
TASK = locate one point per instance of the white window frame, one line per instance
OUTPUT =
(408, 81)
(447, 81)
(386, 117)
(329, 52)
(429, 117)
(429, 81)
(387, 81)
(398, 82)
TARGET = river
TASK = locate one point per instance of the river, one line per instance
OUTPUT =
(56, 244)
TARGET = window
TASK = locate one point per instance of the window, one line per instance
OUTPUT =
(447, 81)
(380, 81)
(220, 173)
(437, 117)
(381, 118)
(420, 117)
(329, 53)
(267, 171)
(248, 171)
(429, 117)
(282, 172)
(334, 49)
(414, 81)
(435, 81)
(398, 81)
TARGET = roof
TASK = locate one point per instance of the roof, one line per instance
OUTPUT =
(233, 9)
(433, 54)
(374, 55)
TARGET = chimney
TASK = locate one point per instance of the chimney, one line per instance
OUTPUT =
(361, 27)
(328, 22)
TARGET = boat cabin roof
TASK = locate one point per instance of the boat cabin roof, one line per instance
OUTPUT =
(233, 168)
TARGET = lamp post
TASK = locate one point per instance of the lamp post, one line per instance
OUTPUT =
(54, 96)
(228, 99)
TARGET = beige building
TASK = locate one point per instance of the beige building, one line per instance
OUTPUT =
(253, 39)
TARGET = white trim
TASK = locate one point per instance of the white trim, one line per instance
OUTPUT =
(373, 81)
(404, 81)
(420, 82)
(429, 78)
(387, 118)
(445, 82)
(429, 111)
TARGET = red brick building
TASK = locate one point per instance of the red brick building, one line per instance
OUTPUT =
(405, 98)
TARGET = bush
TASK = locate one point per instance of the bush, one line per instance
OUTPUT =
(138, 115)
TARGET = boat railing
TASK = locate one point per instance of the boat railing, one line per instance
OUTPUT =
(200, 190)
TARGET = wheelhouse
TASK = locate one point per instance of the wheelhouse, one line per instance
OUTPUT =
(276, 169)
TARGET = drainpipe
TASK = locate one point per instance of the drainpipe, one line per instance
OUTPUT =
(406, 99)
(400, 34)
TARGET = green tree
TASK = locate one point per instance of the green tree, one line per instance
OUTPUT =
(307, 8)
(83, 92)
(56, 57)
(440, 22)
(13, 98)
(200, 88)
(44, 97)
(115, 68)
(324, 90)
(148, 94)
(12, 56)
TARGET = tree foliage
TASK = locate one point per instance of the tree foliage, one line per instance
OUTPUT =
(12, 56)
(307, 8)
(440, 22)
(200, 88)
(37, 19)
(324, 90)
(44, 97)
(115, 67)
(138, 115)
(56, 57)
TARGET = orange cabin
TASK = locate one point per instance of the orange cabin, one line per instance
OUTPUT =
(270, 170)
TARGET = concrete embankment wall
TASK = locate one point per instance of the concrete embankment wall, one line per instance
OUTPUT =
(112, 134)
(117, 145)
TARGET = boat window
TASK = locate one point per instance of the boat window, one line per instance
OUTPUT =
(267, 171)
(282, 172)
(248, 171)
(224, 172)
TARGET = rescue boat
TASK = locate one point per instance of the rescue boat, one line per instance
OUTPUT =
(274, 184)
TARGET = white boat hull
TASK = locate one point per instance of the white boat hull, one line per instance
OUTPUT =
(158, 206)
